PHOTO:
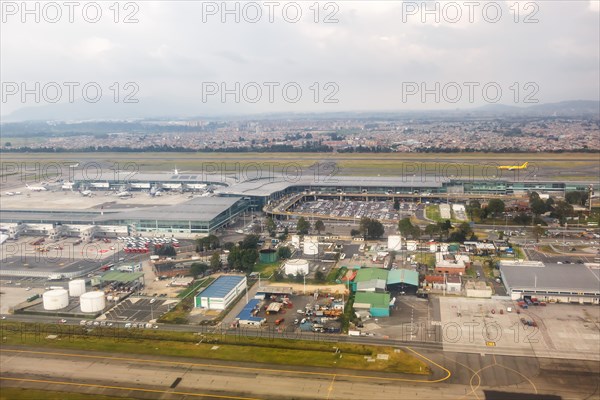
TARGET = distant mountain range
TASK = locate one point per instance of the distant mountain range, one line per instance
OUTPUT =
(160, 109)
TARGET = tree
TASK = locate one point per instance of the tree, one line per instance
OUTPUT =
(577, 197)
(166, 250)
(432, 230)
(405, 227)
(371, 228)
(319, 226)
(250, 242)
(228, 246)
(396, 204)
(271, 226)
(249, 258)
(319, 276)
(465, 228)
(444, 227)
(209, 242)
(562, 210)
(354, 232)
(474, 209)
(241, 258)
(303, 226)
(284, 252)
(533, 196)
(538, 206)
(457, 236)
(522, 219)
(215, 261)
(495, 207)
(197, 269)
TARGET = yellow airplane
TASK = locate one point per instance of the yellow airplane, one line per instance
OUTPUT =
(513, 167)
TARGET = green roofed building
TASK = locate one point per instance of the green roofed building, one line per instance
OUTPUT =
(378, 304)
(403, 280)
(122, 277)
(370, 279)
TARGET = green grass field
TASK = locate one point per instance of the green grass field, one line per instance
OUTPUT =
(11, 393)
(221, 347)
(433, 212)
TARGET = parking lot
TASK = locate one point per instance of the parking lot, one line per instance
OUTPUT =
(66, 255)
(300, 315)
(136, 309)
(380, 210)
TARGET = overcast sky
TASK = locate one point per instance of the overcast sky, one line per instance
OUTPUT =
(375, 57)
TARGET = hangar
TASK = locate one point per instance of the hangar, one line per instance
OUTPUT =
(561, 283)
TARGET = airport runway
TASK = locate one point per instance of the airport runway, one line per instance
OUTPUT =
(154, 377)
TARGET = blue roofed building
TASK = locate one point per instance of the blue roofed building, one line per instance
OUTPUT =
(248, 314)
(221, 293)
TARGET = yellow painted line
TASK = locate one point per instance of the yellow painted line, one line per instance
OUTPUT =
(330, 389)
(449, 374)
(518, 373)
(233, 367)
(475, 374)
(196, 394)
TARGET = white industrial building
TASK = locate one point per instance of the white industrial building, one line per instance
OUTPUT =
(394, 243)
(221, 293)
(563, 283)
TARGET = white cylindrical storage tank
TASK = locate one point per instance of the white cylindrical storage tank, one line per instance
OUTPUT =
(394, 242)
(92, 302)
(55, 299)
(296, 241)
(76, 287)
(411, 245)
(433, 247)
(296, 266)
(444, 247)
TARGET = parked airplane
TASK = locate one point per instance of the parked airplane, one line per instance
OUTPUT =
(124, 194)
(9, 193)
(86, 193)
(514, 167)
(36, 188)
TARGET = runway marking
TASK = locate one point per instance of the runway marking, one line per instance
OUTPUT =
(495, 364)
(475, 374)
(234, 367)
(330, 389)
(196, 394)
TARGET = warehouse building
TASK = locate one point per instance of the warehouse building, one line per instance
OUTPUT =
(562, 283)
(378, 304)
(248, 315)
(370, 280)
(221, 293)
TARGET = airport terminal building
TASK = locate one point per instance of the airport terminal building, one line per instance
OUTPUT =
(216, 200)
(198, 216)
